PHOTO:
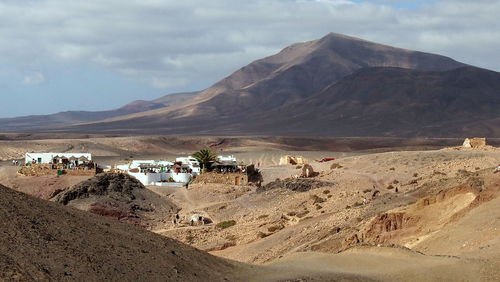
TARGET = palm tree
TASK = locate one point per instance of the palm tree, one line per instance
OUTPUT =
(205, 157)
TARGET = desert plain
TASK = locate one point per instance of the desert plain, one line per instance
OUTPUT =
(383, 209)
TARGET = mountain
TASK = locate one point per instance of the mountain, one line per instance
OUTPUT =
(396, 102)
(34, 122)
(175, 98)
(334, 86)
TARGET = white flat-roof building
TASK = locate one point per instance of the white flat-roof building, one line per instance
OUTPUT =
(53, 158)
(193, 164)
(227, 159)
(161, 173)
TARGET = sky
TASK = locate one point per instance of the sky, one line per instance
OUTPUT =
(58, 55)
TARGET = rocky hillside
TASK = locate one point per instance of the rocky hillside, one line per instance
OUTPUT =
(46, 241)
(118, 196)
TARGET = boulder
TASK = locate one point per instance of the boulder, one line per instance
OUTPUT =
(308, 171)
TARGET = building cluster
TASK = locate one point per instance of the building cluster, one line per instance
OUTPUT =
(180, 171)
(148, 172)
(60, 160)
(162, 173)
(76, 164)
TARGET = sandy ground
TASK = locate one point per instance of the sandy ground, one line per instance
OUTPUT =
(279, 223)
(441, 204)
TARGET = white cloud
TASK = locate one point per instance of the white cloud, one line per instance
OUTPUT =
(179, 43)
(34, 78)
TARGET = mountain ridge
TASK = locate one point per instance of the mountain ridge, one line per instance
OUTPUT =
(286, 94)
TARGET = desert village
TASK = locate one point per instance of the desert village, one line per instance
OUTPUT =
(149, 172)
(261, 206)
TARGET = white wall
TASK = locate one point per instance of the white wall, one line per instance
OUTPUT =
(151, 178)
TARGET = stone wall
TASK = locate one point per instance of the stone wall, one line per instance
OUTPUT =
(46, 169)
(222, 178)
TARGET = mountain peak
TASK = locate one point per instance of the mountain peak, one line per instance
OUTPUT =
(338, 85)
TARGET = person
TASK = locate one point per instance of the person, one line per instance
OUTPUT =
(13, 162)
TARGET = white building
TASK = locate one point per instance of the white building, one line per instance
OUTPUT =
(138, 163)
(227, 159)
(193, 164)
(162, 173)
(52, 158)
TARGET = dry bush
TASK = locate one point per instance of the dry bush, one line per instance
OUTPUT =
(316, 199)
(302, 213)
(357, 204)
(262, 234)
(275, 228)
(335, 166)
(225, 224)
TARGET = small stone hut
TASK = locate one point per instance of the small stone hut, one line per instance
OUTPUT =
(293, 160)
(474, 142)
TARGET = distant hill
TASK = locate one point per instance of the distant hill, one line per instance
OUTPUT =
(34, 122)
(334, 86)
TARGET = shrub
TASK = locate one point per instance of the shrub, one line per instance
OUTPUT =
(335, 165)
(275, 228)
(316, 199)
(262, 234)
(226, 224)
(302, 213)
